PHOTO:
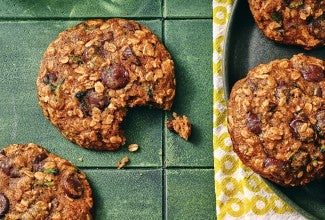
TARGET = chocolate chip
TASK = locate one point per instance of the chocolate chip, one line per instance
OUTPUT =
(312, 73)
(282, 90)
(115, 77)
(4, 204)
(127, 52)
(96, 100)
(72, 186)
(88, 53)
(49, 78)
(39, 157)
(129, 56)
(272, 162)
(131, 27)
(315, 26)
(89, 99)
(301, 128)
(253, 123)
(8, 168)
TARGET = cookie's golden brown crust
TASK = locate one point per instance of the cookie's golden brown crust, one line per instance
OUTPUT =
(276, 120)
(94, 71)
(295, 22)
(36, 184)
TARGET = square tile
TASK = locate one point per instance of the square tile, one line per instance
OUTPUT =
(23, 121)
(188, 9)
(80, 9)
(190, 194)
(126, 194)
(189, 42)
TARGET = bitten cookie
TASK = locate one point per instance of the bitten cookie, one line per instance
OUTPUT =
(295, 22)
(36, 184)
(93, 72)
(276, 120)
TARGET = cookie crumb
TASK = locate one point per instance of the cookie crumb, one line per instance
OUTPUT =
(122, 163)
(133, 147)
(180, 125)
(81, 159)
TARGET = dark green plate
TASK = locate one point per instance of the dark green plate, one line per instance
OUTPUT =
(245, 48)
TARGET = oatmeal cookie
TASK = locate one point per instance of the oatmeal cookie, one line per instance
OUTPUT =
(276, 120)
(93, 72)
(36, 184)
(295, 22)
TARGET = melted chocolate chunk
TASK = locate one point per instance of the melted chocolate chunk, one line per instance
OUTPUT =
(301, 128)
(282, 90)
(4, 204)
(129, 56)
(115, 77)
(88, 53)
(40, 157)
(253, 123)
(90, 99)
(272, 162)
(312, 73)
(49, 78)
(316, 27)
(72, 186)
(9, 169)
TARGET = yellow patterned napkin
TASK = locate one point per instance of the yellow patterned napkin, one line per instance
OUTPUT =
(240, 193)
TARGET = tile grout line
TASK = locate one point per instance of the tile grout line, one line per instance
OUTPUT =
(40, 19)
(164, 175)
(149, 168)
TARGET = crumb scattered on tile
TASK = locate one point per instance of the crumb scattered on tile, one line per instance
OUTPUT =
(180, 125)
(122, 163)
(81, 159)
(133, 147)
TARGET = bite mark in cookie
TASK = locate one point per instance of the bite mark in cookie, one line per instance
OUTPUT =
(93, 72)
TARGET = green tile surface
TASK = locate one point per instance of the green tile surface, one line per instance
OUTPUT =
(186, 193)
(189, 42)
(188, 8)
(75, 8)
(126, 194)
(168, 178)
